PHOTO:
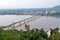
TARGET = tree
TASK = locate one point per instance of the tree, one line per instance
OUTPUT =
(27, 27)
(54, 34)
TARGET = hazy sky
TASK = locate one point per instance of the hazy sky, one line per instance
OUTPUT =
(28, 3)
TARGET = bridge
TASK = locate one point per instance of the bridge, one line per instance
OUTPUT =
(22, 22)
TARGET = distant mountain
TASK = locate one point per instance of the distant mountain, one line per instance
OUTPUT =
(57, 7)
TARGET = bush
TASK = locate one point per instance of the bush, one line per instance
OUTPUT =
(34, 34)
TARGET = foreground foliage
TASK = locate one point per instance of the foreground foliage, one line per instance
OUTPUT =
(34, 34)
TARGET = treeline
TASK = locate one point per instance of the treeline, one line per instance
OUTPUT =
(34, 34)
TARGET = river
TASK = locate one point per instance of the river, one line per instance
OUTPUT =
(45, 22)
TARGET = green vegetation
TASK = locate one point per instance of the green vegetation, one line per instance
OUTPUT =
(34, 34)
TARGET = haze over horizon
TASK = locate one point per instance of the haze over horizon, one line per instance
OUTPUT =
(13, 4)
